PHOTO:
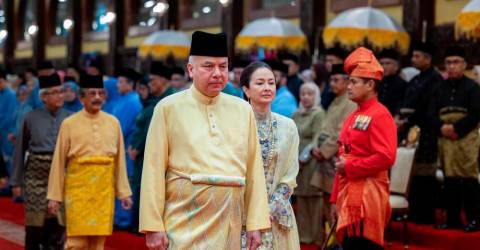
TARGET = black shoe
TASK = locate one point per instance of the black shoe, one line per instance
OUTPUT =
(472, 226)
(447, 226)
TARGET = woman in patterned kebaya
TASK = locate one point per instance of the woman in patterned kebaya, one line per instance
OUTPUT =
(279, 145)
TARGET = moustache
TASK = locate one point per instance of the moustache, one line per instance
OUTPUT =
(97, 102)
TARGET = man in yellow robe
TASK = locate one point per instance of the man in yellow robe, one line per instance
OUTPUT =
(88, 170)
(203, 174)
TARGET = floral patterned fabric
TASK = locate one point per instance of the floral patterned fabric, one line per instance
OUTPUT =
(279, 202)
(278, 138)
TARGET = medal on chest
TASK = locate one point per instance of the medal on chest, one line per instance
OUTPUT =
(362, 122)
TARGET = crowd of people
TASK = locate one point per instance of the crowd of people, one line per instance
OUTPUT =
(180, 157)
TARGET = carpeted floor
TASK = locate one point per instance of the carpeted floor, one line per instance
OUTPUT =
(8, 245)
(421, 237)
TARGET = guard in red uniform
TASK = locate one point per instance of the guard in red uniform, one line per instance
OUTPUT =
(367, 149)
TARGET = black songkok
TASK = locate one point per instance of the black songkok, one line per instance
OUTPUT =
(91, 81)
(289, 56)
(336, 51)
(131, 74)
(207, 44)
(157, 68)
(45, 65)
(178, 71)
(276, 65)
(455, 51)
(427, 48)
(52, 80)
(389, 53)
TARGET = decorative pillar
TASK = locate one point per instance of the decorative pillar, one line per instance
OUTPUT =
(232, 22)
(116, 38)
(74, 39)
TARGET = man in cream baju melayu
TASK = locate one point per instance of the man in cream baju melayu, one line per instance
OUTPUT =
(202, 174)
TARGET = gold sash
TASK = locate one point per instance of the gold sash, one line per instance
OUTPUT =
(89, 196)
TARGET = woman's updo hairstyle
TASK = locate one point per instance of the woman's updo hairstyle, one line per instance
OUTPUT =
(248, 72)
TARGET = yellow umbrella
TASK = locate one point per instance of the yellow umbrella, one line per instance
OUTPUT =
(468, 21)
(272, 34)
(357, 26)
(161, 44)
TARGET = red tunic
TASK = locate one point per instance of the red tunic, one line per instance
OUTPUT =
(368, 143)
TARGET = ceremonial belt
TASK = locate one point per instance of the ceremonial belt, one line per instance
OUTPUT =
(44, 156)
(453, 109)
(210, 179)
(407, 111)
(452, 117)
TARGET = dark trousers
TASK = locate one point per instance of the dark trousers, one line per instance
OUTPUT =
(359, 243)
(136, 208)
(461, 193)
(422, 199)
(49, 237)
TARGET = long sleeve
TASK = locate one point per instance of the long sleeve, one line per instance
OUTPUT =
(318, 121)
(9, 106)
(56, 179)
(256, 203)
(21, 146)
(433, 115)
(329, 147)
(133, 111)
(122, 186)
(152, 198)
(401, 87)
(128, 115)
(12, 128)
(383, 144)
(291, 167)
(279, 201)
(316, 126)
(20, 117)
(139, 135)
(126, 111)
(469, 122)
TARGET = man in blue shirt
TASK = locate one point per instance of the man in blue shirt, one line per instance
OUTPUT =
(9, 105)
(293, 79)
(126, 110)
(284, 102)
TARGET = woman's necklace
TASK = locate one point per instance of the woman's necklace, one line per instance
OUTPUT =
(264, 128)
(266, 137)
